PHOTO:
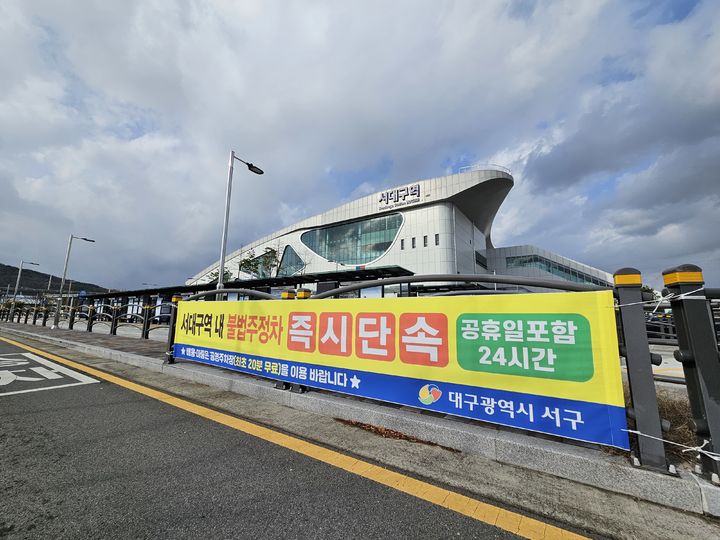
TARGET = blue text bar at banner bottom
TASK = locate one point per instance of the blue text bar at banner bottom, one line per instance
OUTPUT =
(580, 420)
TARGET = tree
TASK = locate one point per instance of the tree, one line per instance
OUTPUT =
(215, 273)
(650, 290)
(259, 266)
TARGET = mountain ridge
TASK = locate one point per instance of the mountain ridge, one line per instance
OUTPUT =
(32, 282)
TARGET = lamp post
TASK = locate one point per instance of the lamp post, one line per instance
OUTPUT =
(223, 246)
(17, 284)
(56, 320)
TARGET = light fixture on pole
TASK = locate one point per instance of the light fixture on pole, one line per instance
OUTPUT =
(223, 246)
(56, 320)
(17, 284)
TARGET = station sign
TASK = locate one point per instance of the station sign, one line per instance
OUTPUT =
(540, 362)
(399, 197)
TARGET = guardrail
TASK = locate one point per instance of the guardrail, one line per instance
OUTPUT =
(146, 314)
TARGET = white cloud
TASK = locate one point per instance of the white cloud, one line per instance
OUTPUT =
(117, 120)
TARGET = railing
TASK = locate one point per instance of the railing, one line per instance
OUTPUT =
(113, 313)
(462, 278)
(483, 167)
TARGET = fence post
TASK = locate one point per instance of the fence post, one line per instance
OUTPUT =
(91, 316)
(71, 320)
(114, 315)
(171, 330)
(146, 317)
(698, 353)
(300, 294)
(46, 312)
(628, 285)
(27, 314)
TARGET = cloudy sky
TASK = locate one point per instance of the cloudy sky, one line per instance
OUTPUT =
(117, 118)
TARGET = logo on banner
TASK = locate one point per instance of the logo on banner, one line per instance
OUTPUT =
(429, 394)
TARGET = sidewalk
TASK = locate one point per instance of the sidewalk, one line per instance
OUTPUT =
(578, 485)
(89, 340)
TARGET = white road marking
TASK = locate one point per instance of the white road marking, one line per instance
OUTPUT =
(61, 369)
(44, 388)
(50, 370)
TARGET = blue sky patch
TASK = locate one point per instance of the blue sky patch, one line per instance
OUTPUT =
(347, 181)
(658, 12)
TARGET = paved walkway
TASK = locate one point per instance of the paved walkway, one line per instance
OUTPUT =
(133, 345)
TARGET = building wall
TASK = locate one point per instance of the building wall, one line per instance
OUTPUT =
(498, 261)
(420, 225)
(414, 246)
(468, 239)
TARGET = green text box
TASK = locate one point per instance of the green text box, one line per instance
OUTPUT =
(540, 345)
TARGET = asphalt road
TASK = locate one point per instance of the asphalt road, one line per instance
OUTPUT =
(83, 458)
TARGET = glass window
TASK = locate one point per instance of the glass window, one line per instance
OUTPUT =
(437, 239)
(290, 264)
(480, 260)
(357, 242)
(413, 242)
(425, 241)
(402, 244)
(552, 267)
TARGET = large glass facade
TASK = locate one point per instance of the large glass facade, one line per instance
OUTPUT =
(290, 264)
(359, 242)
(554, 268)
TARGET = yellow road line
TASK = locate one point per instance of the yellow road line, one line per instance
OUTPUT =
(513, 522)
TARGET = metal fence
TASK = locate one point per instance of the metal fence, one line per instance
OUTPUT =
(145, 313)
(687, 317)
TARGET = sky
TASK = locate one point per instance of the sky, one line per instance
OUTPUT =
(117, 120)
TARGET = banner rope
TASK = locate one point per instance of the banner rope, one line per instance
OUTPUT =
(712, 455)
(671, 296)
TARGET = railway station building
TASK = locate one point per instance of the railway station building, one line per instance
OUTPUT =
(440, 225)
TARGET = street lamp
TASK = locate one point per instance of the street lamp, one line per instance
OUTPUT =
(17, 284)
(223, 246)
(56, 320)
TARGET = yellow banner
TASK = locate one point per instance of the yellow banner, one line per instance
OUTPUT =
(561, 345)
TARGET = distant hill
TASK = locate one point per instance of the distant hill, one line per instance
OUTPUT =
(32, 282)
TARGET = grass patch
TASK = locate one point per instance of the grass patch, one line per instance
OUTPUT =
(675, 407)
